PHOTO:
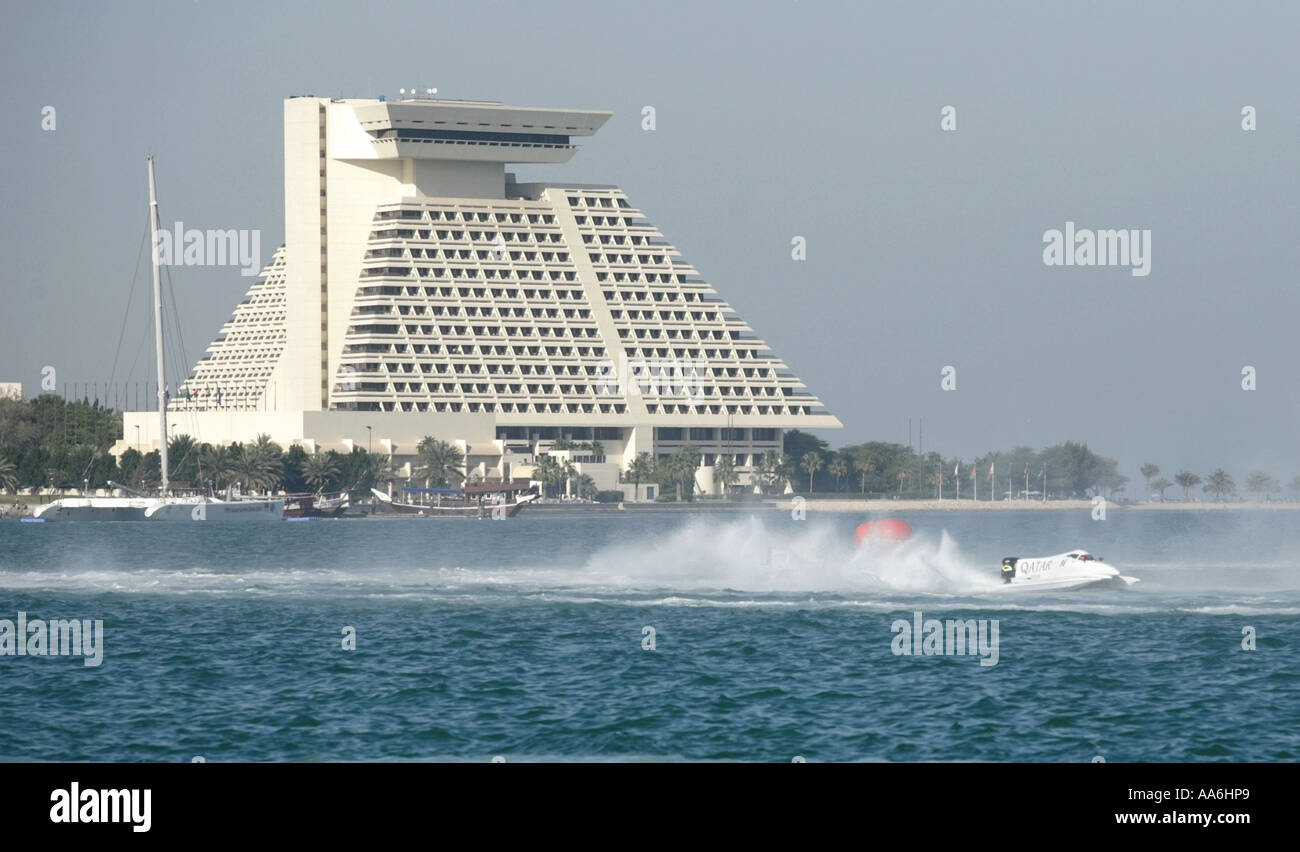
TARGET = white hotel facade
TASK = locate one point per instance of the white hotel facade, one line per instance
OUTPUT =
(422, 291)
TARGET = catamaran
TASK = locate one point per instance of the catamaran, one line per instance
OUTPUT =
(164, 507)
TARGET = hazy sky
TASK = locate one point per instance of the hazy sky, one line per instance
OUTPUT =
(774, 120)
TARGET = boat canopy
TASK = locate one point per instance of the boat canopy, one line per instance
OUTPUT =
(433, 490)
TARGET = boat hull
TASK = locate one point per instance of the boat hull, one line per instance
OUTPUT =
(94, 510)
(244, 511)
(1072, 570)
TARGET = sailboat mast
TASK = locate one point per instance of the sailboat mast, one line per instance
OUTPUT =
(158, 326)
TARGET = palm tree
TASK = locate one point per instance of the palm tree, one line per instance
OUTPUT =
(547, 470)
(440, 462)
(771, 470)
(219, 465)
(376, 472)
(1148, 471)
(1260, 483)
(1219, 483)
(184, 456)
(320, 469)
(839, 469)
(597, 450)
(864, 468)
(641, 467)
(902, 474)
(584, 485)
(562, 443)
(258, 464)
(1159, 485)
(1186, 480)
(254, 469)
(724, 472)
(684, 463)
(8, 476)
(812, 462)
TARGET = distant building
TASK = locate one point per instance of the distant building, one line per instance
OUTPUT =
(422, 291)
(11, 390)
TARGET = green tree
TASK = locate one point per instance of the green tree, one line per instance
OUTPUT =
(1261, 484)
(440, 462)
(812, 462)
(1159, 485)
(1220, 483)
(641, 467)
(838, 468)
(183, 459)
(255, 470)
(772, 467)
(865, 467)
(220, 465)
(291, 469)
(724, 473)
(1148, 470)
(320, 470)
(547, 470)
(8, 476)
(584, 485)
(1186, 480)
(684, 463)
(796, 444)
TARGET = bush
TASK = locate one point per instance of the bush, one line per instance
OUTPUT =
(609, 497)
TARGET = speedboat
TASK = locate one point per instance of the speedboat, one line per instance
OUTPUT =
(1070, 570)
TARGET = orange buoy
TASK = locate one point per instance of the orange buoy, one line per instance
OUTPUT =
(887, 529)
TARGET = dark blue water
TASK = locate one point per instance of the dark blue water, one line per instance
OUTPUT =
(524, 639)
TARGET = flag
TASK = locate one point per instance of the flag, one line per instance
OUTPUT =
(992, 465)
(956, 469)
(974, 472)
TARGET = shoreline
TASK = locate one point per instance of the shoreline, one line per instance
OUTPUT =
(829, 507)
(902, 506)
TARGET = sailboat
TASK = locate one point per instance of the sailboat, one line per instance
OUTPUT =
(138, 507)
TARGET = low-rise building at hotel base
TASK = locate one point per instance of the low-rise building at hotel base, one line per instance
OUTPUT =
(493, 451)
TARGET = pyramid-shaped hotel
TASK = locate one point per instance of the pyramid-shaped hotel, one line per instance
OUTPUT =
(422, 291)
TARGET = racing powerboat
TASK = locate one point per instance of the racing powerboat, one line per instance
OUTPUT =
(1071, 570)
